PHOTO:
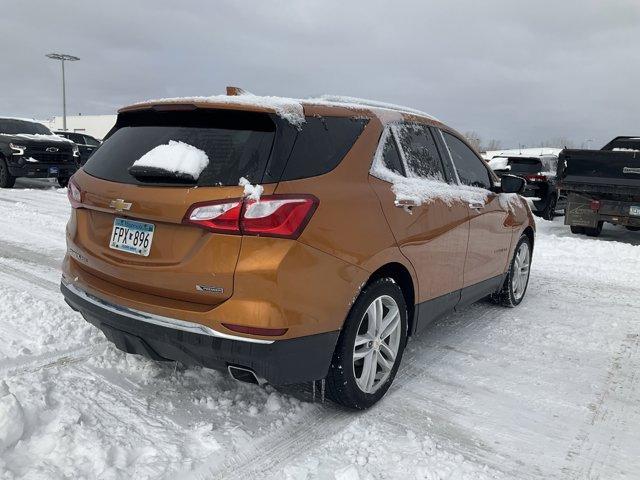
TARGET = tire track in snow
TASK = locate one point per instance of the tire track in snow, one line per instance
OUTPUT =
(267, 456)
(614, 414)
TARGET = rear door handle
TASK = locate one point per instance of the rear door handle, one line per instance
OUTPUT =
(477, 205)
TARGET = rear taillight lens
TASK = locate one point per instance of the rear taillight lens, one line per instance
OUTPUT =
(74, 193)
(283, 216)
(221, 217)
(536, 178)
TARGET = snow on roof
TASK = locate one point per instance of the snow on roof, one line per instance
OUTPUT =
(287, 108)
(30, 120)
(354, 102)
(291, 109)
(522, 152)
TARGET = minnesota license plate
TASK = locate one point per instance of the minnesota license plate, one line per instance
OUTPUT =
(131, 236)
(634, 210)
(53, 170)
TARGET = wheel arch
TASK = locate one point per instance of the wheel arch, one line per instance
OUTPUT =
(401, 275)
(530, 235)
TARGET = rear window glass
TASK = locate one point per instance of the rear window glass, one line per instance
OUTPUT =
(525, 165)
(321, 144)
(238, 144)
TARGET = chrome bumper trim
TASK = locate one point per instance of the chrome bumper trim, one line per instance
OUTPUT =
(167, 322)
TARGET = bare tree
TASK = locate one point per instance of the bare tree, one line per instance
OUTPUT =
(558, 142)
(474, 139)
(492, 144)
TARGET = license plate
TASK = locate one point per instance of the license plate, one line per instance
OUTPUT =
(634, 210)
(53, 170)
(131, 236)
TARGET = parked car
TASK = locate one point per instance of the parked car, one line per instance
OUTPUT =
(602, 186)
(86, 143)
(29, 149)
(540, 173)
(353, 227)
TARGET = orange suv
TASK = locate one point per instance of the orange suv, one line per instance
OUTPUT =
(288, 240)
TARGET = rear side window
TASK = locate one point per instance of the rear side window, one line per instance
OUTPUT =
(321, 144)
(238, 144)
(421, 154)
(471, 170)
(391, 156)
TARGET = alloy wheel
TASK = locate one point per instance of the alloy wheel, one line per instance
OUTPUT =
(377, 343)
(520, 274)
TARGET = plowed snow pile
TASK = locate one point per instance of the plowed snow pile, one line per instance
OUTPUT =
(547, 390)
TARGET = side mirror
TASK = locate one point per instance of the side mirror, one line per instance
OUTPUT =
(512, 184)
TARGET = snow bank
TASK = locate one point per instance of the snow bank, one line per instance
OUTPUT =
(41, 137)
(252, 192)
(179, 158)
(11, 418)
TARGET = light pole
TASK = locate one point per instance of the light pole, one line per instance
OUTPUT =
(62, 57)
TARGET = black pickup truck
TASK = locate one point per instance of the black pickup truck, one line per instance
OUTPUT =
(601, 186)
(29, 149)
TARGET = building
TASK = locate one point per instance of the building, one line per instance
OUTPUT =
(95, 125)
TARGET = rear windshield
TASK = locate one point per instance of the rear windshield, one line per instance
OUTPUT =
(238, 144)
(14, 127)
(525, 165)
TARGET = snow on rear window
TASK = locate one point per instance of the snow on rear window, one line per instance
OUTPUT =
(177, 158)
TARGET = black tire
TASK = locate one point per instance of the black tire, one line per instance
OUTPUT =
(63, 181)
(594, 232)
(341, 383)
(506, 295)
(549, 211)
(577, 230)
(6, 179)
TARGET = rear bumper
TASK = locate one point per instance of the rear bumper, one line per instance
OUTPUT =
(280, 362)
(579, 212)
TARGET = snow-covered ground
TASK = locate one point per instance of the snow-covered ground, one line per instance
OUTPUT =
(547, 390)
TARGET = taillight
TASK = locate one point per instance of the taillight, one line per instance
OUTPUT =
(221, 217)
(536, 178)
(74, 193)
(283, 216)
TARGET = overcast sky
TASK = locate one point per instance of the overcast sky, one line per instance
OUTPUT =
(521, 72)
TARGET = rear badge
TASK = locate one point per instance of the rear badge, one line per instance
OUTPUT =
(209, 289)
(120, 205)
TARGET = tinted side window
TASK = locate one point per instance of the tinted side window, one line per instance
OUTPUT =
(421, 154)
(470, 168)
(91, 141)
(321, 144)
(391, 156)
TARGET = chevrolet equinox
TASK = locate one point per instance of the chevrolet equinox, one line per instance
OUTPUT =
(288, 241)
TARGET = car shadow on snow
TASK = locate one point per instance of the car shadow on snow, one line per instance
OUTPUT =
(36, 184)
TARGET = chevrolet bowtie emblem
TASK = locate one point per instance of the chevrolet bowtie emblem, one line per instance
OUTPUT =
(120, 205)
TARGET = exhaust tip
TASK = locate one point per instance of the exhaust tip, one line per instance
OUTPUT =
(245, 375)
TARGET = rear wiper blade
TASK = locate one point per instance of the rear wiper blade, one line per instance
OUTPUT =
(155, 174)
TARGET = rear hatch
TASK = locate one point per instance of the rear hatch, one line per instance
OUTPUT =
(180, 261)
